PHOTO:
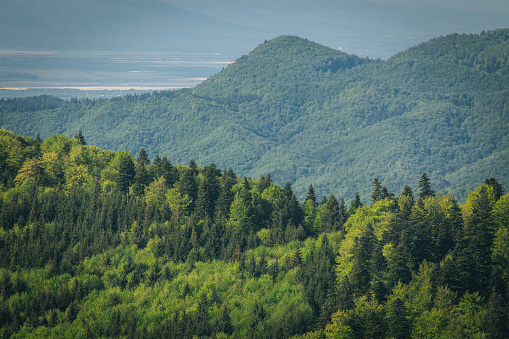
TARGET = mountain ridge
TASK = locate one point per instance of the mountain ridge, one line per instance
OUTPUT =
(309, 114)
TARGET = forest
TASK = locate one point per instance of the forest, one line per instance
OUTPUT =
(307, 113)
(98, 243)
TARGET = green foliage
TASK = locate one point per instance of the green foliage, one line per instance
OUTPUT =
(308, 113)
(81, 258)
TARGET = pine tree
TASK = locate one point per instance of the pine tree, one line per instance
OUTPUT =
(343, 213)
(79, 136)
(377, 191)
(497, 188)
(202, 317)
(187, 186)
(193, 167)
(407, 191)
(226, 195)
(208, 192)
(332, 218)
(126, 173)
(141, 179)
(224, 322)
(115, 325)
(355, 204)
(296, 258)
(399, 328)
(425, 187)
(143, 157)
(311, 194)
(473, 253)
(273, 270)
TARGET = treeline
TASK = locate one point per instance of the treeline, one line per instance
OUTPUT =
(104, 244)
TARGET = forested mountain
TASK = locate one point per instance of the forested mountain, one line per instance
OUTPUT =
(306, 113)
(97, 243)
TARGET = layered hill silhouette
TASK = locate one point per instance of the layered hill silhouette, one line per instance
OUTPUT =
(374, 28)
(309, 114)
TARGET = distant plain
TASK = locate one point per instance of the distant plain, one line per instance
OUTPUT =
(102, 74)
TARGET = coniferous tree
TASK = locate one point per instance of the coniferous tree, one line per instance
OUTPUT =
(143, 157)
(193, 167)
(79, 136)
(187, 186)
(208, 192)
(497, 188)
(126, 173)
(332, 218)
(425, 189)
(397, 320)
(141, 179)
(343, 213)
(407, 191)
(226, 195)
(115, 325)
(311, 194)
(291, 209)
(224, 322)
(377, 191)
(296, 258)
(360, 274)
(398, 269)
(473, 253)
(264, 183)
(202, 317)
(355, 204)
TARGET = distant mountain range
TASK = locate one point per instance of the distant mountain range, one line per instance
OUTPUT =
(309, 114)
(365, 28)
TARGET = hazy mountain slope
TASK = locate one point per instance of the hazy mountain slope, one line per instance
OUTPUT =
(310, 114)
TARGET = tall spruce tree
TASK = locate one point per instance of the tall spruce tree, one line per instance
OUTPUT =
(187, 186)
(126, 173)
(497, 187)
(311, 194)
(79, 136)
(424, 185)
(355, 204)
(377, 191)
(208, 192)
(143, 157)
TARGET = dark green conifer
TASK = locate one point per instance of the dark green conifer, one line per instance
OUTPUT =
(208, 192)
(497, 188)
(377, 191)
(187, 185)
(126, 173)
(311, 194)
(407, 191)
(226, 196)
(296, 258)
(143, 157)
(425, 187)
(79, 136)
(224, 322)
(355, 204)
(399, 328)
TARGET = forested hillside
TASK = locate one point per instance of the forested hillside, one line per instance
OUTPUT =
(97, 243)
(306, 113)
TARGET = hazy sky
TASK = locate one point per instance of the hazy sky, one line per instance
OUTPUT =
(496, 6)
